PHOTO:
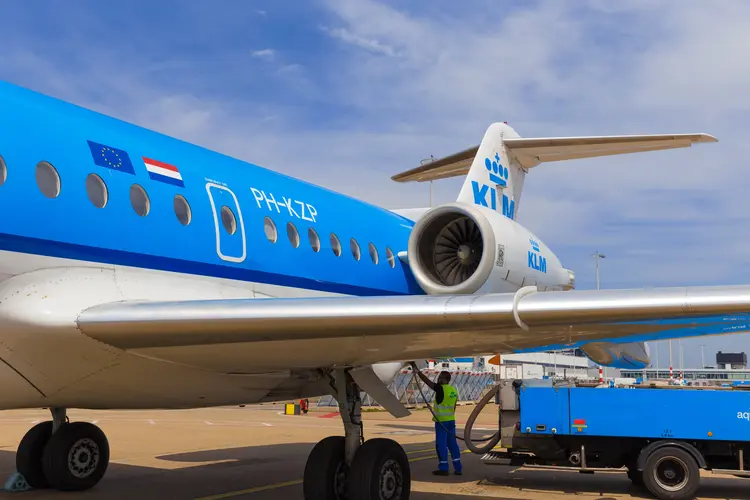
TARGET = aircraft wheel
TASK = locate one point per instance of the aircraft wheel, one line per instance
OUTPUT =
(326, 471)
(671, 474)
(380, 471)
(30, 452)
(76, 457)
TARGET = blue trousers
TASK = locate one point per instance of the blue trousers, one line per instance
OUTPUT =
(444, 442)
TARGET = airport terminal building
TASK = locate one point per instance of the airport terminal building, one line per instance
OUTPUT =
(730, 367)
(568, 364)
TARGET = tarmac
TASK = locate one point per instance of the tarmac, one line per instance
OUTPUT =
(258, 453)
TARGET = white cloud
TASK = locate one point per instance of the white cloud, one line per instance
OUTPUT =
(365, 43)
(266, 54)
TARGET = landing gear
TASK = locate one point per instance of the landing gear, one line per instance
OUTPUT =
(326, 471)
(380, 470)
(62, 455)
(348, 468)
(30, 452)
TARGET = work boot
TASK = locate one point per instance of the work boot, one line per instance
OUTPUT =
(439, 472)
(458, 473)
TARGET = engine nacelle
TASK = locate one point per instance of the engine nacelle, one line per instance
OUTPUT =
(462, 249)
(631, 356)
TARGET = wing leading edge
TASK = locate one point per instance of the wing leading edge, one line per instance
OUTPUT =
(379, 329)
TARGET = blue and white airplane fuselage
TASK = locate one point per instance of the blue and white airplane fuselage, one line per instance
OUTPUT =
(38, 128)
(140, 271)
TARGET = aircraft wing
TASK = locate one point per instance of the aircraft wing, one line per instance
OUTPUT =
(315, 332)
(530, 152)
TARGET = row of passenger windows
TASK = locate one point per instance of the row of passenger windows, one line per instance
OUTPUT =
(269, 226)
(49, 183)
(48, 180)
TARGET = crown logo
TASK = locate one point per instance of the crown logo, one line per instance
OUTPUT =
(534, 245)
(498, 173)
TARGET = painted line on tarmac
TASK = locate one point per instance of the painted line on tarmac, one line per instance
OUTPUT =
(297, 481)
(251, 490)
(419, 451)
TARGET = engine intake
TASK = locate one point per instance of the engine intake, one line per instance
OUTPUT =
(452, 250)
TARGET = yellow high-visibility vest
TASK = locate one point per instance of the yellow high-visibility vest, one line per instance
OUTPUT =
(446, 411)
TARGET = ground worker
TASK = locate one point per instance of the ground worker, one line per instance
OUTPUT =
(446, 397)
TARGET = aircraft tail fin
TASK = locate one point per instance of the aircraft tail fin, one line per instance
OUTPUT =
(495, 170)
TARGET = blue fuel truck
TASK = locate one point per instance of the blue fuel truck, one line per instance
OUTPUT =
(662, 436)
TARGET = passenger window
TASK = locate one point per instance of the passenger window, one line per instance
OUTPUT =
(47, 179)
(314, 240)
(335, 245)
(270, 229)
(228, 220)
(355, 248)
(139, 200)
(182, 210)
(97, 191)
(3, 171)
(373, 253)
(391, 258)
(293, 235)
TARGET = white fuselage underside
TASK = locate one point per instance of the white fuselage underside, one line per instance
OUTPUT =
(52, 366)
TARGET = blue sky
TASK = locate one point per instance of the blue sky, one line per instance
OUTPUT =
(346, 93)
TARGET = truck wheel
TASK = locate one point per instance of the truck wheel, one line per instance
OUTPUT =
(671, 474)
(636, 477)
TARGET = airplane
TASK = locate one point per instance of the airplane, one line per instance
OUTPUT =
(138, 271)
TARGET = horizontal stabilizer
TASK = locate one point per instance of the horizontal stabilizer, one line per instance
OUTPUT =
(529, 152)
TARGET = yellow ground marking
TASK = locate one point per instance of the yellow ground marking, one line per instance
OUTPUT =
(298, 481)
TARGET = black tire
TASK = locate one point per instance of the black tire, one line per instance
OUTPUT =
(76, 457)
(380, 471)
(636, 477)
(30, 452)
(326, 473)
(671, 474)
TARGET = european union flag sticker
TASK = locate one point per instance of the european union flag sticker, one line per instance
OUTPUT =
(109, 157)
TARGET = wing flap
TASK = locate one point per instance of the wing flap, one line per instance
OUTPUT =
(573, 315)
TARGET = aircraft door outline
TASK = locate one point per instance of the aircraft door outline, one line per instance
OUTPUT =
(227, 245)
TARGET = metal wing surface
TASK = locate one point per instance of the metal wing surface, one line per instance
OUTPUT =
(244, 335)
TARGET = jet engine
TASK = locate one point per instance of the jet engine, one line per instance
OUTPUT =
(452, 250)
(459, 248)
(630, 356)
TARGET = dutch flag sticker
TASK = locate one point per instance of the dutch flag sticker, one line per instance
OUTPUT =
(163, 172)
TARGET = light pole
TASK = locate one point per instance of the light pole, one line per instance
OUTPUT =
(596, 255)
